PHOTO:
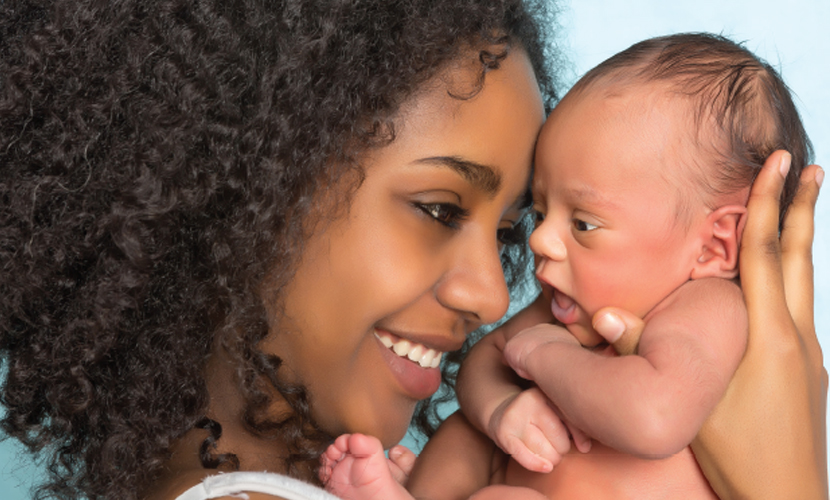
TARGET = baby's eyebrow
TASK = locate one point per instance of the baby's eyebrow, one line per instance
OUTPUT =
(587, 194)
(482, 177)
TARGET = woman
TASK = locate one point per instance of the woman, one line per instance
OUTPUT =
(217, 215)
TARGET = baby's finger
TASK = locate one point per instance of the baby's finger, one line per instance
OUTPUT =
(531, 460)
(796, 252)
(554, 433)
(582, 441)
(620, 328)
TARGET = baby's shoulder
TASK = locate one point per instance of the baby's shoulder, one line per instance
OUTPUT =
(710, 291)
(704, 304)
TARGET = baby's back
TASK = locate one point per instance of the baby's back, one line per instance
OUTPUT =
(605, 473)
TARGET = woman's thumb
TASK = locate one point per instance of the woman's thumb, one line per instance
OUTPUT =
(620, 328)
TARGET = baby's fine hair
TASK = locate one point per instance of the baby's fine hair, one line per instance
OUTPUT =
(159, 160)
(730, 89)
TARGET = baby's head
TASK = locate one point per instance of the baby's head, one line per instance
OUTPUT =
(644, 169)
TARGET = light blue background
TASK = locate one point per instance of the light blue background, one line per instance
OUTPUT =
(791, 38)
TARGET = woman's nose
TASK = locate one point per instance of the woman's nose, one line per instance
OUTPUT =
(545, 243)
(474, 283)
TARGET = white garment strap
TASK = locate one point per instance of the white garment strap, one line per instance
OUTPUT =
(237, 483)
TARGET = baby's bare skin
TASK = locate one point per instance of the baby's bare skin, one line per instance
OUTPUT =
(604, 473)
(446, 470)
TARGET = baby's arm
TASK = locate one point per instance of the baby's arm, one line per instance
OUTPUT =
(522, 422)
(651, 404)
(456, 462)
(485, 381)
(460, 463)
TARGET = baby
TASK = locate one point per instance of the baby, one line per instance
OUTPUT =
(642, 176)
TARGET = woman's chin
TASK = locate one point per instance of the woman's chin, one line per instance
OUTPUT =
(392, 432)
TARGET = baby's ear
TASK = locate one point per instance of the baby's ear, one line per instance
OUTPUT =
(720, 243)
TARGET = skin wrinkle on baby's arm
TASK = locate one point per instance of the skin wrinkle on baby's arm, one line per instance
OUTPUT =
(650, 404)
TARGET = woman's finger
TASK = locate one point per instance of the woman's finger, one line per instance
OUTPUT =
(796, 252)
(620, 328)
(774, 408)
(760, 257)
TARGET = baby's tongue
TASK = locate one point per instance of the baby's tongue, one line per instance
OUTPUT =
(563, 307)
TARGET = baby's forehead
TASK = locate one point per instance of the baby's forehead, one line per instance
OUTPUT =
(650, 121)
(653, 116)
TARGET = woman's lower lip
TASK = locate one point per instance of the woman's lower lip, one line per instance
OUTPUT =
(418, 383)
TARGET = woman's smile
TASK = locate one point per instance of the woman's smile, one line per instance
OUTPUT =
(418, 353)
(414, 366)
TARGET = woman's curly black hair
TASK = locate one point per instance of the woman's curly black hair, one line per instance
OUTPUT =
(158, 163)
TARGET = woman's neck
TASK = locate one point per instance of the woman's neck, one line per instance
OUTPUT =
(226, 407)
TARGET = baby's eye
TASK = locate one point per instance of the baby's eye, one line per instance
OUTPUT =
(582, 226)
(448, 214)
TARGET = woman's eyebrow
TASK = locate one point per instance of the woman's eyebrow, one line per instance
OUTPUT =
(482, 177)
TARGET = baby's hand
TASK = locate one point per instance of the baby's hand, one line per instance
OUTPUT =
(528, 428)
(518, 349)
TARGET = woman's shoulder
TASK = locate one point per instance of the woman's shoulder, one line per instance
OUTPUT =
(227, 486)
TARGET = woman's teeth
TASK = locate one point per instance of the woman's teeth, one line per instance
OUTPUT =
(427, 358)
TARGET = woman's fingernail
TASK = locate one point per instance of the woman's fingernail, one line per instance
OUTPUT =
(784, 166)
(610, 326)
(819, 176)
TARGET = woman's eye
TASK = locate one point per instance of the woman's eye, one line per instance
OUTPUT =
(447, 214)
(582, 226)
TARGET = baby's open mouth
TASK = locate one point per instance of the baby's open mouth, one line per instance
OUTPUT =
(563, 307)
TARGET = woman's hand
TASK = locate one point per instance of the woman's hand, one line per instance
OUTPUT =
(766, 438)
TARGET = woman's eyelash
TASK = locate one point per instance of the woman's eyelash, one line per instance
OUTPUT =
(448, 214)
(514, 235)
(451, 215)
(519, 232)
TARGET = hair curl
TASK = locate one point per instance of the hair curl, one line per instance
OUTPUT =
(159, 161)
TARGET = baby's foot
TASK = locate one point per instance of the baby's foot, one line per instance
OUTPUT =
(355, 468)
